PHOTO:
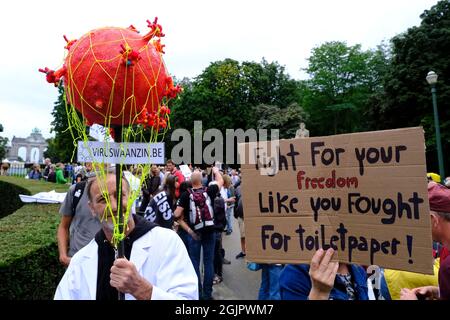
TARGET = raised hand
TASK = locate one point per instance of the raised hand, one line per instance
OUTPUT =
(323, 273)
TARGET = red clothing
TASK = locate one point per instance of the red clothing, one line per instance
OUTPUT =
(444, 278)
(181, 179)
(444, 253)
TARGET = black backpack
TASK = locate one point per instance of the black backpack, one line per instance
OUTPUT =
(220, 219)
(238, 210)
(77, 194)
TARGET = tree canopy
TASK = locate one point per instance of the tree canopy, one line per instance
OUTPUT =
(61, 147)
(226, 93)
(407, 98)
(3, 143)
(342, 81)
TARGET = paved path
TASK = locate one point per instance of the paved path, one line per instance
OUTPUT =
(239, 282)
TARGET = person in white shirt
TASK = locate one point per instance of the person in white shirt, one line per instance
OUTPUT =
(234, 177)
(156, 267)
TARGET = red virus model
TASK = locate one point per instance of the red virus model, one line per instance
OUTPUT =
(115, 76)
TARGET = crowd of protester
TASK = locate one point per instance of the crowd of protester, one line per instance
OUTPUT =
(200, 205)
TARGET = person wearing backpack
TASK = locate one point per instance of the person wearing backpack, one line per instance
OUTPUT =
(78, 226)
(200, 229)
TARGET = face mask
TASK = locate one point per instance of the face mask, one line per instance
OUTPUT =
(108, 224)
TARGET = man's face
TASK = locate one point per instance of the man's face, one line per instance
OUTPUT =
(170, 167)
(438, 231)
(99, 201)
(434, 227)
(88, 166)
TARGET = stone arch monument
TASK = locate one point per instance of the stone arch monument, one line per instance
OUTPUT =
(34, 145)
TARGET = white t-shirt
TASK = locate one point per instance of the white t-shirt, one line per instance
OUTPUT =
(224, 195)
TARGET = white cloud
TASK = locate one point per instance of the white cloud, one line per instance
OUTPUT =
(197, 33)
(20, 119)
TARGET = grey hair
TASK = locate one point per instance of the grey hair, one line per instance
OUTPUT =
(444, 215)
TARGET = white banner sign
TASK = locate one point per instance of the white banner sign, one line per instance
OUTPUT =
(185, 171)
(125, 153)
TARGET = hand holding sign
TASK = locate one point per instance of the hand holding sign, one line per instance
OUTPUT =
(421, 293)
(322, 272)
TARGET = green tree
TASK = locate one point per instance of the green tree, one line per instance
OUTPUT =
(287, 120)
(407, 99)
(3, 143)
(63, 146)
(226, 95)
(342, 80)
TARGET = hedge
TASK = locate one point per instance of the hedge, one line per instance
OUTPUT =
(29, 266)
(35, 186)
(11, 187)
(10, 195)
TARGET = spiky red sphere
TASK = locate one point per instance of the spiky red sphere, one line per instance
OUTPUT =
(115, 75)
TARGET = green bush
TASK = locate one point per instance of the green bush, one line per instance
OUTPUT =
(11, 187)
(10, 194)
(29, 266)
(33, 277)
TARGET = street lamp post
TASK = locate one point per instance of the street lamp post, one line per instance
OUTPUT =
(432, 80)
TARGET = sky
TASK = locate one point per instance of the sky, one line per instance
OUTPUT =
(197, 33)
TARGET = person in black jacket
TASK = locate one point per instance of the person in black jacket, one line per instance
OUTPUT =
(220, 222)
(48, 164)
(150, 187)
(162, 205)
(239, 215)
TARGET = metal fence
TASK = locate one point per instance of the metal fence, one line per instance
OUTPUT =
(17, 169)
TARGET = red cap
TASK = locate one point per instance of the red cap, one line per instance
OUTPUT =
(439, 197)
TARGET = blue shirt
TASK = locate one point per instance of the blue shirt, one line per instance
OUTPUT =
(295, 283)
(35, 175)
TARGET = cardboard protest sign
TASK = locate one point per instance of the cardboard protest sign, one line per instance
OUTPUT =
(363, 194)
